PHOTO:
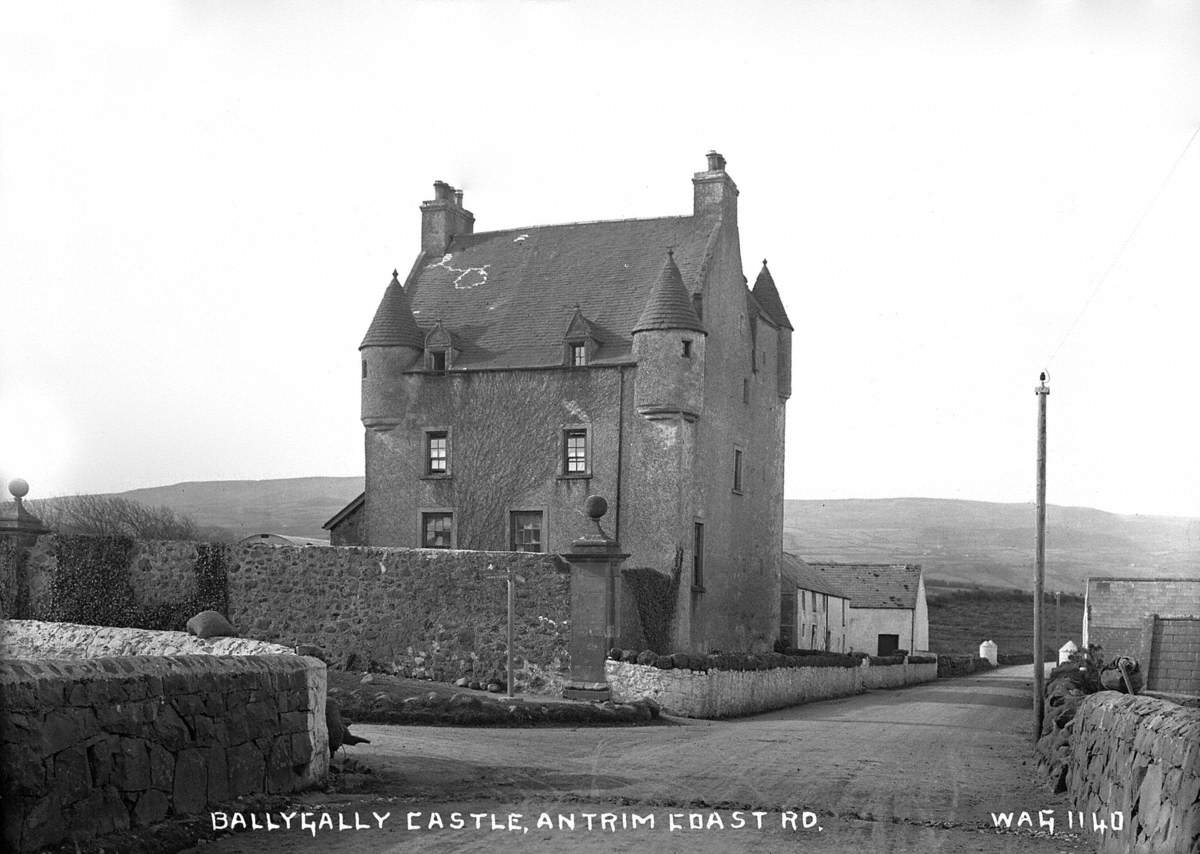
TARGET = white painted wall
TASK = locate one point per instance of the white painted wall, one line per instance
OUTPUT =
(817, 613)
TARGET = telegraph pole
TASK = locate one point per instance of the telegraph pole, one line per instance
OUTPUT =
(1039, 668)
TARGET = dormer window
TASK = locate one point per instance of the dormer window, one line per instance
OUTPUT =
(439, 349)
(579, 341)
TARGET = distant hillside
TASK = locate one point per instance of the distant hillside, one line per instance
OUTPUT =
(962, 543)
(296, 506)
(983, 543)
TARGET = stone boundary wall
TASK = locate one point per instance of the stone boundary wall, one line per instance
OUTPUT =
(899, 675)
(36, 639)
(730, 693)
(98, 745)
(429, 613)
(1139, 756)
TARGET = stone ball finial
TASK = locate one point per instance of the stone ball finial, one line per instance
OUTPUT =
(595, 506)
(19, 488)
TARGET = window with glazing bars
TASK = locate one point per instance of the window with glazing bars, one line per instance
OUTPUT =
(575, 459)
(526, 531)
(436, 529)
(437, 455)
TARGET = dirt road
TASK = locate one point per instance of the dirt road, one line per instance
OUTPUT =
(920, 769)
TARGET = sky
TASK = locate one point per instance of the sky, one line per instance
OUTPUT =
(201, 204)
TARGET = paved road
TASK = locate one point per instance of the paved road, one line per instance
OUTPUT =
(919, 769)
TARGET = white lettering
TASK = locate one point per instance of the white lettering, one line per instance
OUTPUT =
(1046, 820)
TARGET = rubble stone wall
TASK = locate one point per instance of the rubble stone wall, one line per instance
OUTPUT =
(99, 745)
(729, 693)
(439, 614)
(36, 639)
(1139, 756)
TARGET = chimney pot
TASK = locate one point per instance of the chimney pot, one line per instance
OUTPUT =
(716, 163)
(458, 197)
(442, 191)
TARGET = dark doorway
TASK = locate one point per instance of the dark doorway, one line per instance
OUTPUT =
(888, 644)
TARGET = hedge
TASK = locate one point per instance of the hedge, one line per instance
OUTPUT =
(735, 661)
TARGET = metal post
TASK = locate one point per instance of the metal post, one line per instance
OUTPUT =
(512, 598)
(1039, 667)
(1057, 622)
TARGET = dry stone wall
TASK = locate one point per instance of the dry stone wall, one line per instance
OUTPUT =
(1140, 757)
(730, 693)
(98, 745)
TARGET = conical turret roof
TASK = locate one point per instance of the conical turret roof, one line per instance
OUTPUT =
(768, 297)
(669, 305)
(394, 324)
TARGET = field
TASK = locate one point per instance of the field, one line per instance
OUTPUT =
(961, 619)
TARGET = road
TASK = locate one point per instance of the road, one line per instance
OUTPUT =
(919, 769)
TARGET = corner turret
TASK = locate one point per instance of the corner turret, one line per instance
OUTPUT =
(767, 296)
(668, 343)
(392, 345)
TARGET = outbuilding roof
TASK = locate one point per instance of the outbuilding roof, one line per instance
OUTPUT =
(875, 585)
(804, 576)
(508, 295)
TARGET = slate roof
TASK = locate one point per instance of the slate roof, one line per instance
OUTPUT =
(669, 305)
(804, 576)
(768, 297)
(339, 516)
(875, 585)
(394, 324)
(508, 296)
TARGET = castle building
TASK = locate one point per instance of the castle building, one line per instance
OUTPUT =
(515, 372)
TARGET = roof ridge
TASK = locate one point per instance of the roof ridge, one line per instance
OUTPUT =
(577, 222)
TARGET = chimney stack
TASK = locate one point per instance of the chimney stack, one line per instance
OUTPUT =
(442, 218)
(715, 194)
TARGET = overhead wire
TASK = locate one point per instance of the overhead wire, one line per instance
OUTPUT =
(1125, 243)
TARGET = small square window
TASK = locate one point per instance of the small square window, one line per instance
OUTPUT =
(437, 452)
(437, 530)
(578, 355)
(737, 470)
(687, 349)
(575, 451)
(525, 531)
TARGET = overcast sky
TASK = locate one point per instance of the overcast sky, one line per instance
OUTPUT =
(201, 204)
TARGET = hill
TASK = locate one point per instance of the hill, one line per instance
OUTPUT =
(296, 506)
(973, 543)
(959, 543)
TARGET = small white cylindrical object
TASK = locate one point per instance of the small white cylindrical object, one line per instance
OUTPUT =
(988, 650)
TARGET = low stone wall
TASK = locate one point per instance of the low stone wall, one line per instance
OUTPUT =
(899, 675)
(1140, 757)
(98, 745)
(729, 693)
(36, 639)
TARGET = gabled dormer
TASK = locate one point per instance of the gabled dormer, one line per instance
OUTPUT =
(439, 349)
(580, 342)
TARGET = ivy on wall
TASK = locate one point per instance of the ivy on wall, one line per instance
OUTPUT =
(91, 585)
(14, 580)
(91, 581)
(212, 579)
(655, 596)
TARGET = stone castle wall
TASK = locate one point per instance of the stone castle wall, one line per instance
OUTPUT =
(1138, 756)
(100, 745)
